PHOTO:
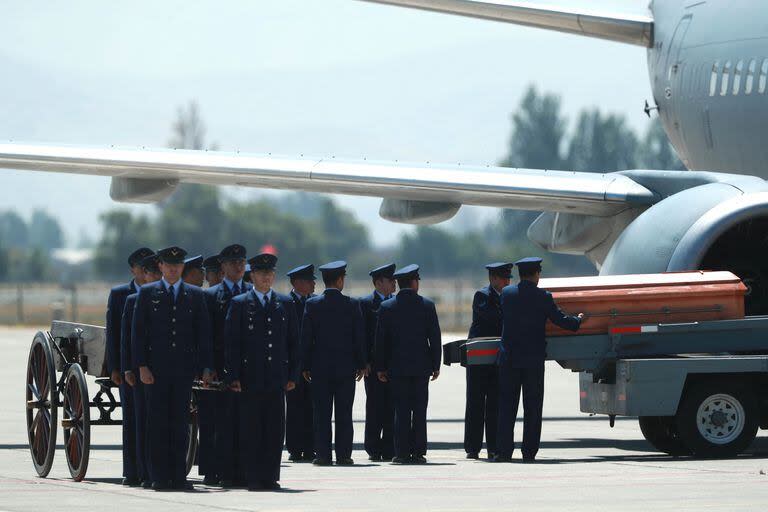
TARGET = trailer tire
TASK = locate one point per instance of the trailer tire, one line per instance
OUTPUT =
(717, 419)
(661, 432)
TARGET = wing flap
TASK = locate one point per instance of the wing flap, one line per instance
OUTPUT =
(624, 28)
(526, 189)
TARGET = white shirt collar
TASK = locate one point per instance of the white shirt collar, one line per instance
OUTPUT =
(381, 295)
(262, 296)
(175, 287)
(231, 285)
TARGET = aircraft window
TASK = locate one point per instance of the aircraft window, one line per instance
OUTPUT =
(713, 78)
(737, 77)
(726, 79)
(763, 77)
(750, 82)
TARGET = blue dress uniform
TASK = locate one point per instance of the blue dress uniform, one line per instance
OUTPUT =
(333, 350)
(525, 311)
(134, 404)
(171, 336)
(379, 411)
(261, 352)
(482, 405)
(218, 413)
(115, 307)
(299, 435)
(409, 349)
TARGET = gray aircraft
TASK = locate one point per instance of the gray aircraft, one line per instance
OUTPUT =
(708, 66)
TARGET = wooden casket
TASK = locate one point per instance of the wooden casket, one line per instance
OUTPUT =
(609, 301)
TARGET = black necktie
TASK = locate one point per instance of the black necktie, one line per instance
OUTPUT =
(235, 290)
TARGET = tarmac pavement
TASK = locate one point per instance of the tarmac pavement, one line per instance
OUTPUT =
(583, 465)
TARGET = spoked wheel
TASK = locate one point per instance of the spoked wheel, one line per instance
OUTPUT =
(42, 401)
(192, 434)
(76, 421)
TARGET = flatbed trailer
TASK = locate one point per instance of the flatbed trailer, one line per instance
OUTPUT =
(698, 388)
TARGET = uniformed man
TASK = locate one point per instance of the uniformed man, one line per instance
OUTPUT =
(333, 356)
(213, 274)
(379, 414)
(218, 413)
(408, 352)
(193, 271)
(482, 381)
(525, 309)
(170, 345)
(115, 306)
(299, 436)
(247, 274)
(262, 362)
(134, 404)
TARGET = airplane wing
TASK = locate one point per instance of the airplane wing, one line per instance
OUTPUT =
(624, 28)
(145, 175)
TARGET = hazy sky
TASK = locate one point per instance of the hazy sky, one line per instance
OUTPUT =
(320, 77)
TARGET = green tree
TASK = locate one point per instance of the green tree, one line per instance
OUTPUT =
(191, 218)
(189, 128)
(13, 230)
(656, 152)
(344, 235)
(45, 232)
(121, 235)
(602, 143)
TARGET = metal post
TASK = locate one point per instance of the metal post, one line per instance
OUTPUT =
(19, 304)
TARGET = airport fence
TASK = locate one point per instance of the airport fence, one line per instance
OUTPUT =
(39, 303)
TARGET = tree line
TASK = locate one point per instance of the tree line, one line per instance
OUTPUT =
(305, 227)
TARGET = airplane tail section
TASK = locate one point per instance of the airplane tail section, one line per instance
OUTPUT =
(623, 28)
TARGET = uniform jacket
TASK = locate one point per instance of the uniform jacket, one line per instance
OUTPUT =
(298, 305)
(369, 306)
(217, 300)
(126, 361)
(333, 340)
(173, 340)
(115, 306)
(486, 314)
(408, 341)
(525, 310)
(261, 347)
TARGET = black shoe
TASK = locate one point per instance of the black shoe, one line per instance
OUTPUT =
(529, 460)
(347, 461)
(227, 483)
(491, 455)
(419, 459)
(473, 455)
(374, 458)
(308, 456)
(255, 486)
(399, 460)
(386, 458)
(294, 457)
(241, 482)
(146, 484)
(210, 480)
(160, 486)
(131, 482)
(183, 486)
(502, 458)
(271, 485)
(321, 462)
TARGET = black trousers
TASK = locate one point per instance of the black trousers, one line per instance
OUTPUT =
(140, 423)
(410, 396)
(511, 381)
(206, 419)
(482, 409)
(299, 436)
(228, 447)
(262, 429)
(128, 407)
(167, 424)
(379, 418)
(329, 396)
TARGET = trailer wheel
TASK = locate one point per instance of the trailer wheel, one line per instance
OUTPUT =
(661, 432)
(76, 421)
(192, 429)
(42, 401)
(718, 419)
